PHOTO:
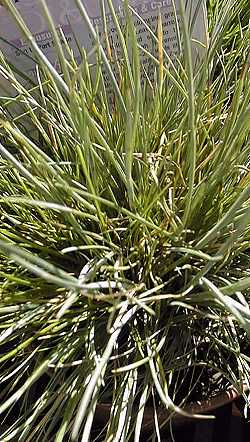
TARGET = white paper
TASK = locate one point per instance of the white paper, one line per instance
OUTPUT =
(66, 15)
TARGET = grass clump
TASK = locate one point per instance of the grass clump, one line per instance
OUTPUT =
(124, 234)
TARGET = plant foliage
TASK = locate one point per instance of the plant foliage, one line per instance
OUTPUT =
(125, 232)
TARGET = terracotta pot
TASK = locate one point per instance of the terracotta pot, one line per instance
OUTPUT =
(204, 407)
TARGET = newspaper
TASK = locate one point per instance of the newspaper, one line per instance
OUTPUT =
(67, 17)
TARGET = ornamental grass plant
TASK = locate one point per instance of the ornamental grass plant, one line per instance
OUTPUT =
(125, 232)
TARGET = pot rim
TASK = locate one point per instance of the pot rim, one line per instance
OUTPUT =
(165, 416)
